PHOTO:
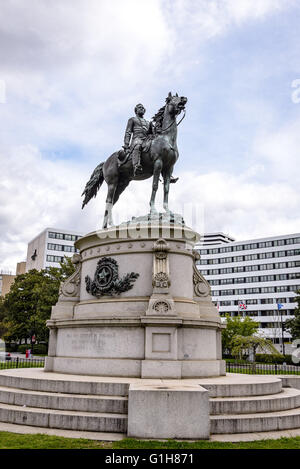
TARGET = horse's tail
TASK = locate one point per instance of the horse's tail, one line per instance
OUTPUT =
(93, 185)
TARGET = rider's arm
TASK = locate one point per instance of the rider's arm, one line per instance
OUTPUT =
(128, 132)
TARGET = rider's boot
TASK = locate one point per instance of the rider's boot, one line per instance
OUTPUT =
(136, 161)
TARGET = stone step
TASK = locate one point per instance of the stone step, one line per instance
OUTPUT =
(62, 419)
(58, 384)
(234, 385)
(288, 398)
(59, 401)
(249, 423)
(27, 430)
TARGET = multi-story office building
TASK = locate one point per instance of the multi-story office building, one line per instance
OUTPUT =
(6, 281)
(50, 247)
(258, 278)
(210, 239)
(7, 278)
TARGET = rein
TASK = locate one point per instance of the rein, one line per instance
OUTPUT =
(177, 123)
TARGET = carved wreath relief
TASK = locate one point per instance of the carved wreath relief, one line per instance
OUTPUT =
(106, 279)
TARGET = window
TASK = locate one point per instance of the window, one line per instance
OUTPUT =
(279, 242)
(54, 259)
(266, 301)
(239, 280)
(238, 269)
(281, 277)
(252, 302)
(280, 265)
(225, 303)
(69, 248)
(281, 253)
(238, 259)
(55, 247)
(238, 248)
(252, 279)
(214, 282)
(281, 300)
(226, 292)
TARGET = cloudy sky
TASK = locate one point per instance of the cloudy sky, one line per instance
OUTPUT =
(71, 72)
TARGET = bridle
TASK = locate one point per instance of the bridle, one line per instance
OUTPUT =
(177, 123)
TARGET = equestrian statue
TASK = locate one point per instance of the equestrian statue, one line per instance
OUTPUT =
(150, 149)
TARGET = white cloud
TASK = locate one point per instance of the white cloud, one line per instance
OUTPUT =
(280, 149)
(208, 19)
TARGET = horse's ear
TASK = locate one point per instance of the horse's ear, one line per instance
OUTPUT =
(169, 97)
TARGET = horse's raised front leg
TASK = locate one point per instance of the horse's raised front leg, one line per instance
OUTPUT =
(156, 173)
(109, 204)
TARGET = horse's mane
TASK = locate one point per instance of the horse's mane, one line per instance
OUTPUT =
(158, 118)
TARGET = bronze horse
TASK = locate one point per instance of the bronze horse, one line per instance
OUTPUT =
(158, 160)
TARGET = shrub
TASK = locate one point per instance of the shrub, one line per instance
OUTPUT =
(272, 358)
(38, 349)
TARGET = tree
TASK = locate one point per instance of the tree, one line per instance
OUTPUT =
(27, 306)
(293, 325)
(237, 326)
(241, 345)
(2, 316)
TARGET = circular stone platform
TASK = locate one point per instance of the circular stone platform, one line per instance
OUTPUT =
(252, 407)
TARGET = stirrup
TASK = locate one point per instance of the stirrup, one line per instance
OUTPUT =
(137, 169)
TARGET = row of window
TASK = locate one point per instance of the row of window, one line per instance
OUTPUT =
(251, 268)
(257, 290)
(54, 258)
(288, 312)
(67, 237)
(255, 279)
(250, 257)
(257, 301)
(246, 247)
(61, 247)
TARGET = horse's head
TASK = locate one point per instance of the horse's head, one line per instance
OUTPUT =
(175, 104)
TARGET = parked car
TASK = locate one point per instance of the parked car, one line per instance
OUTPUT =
(5, 356)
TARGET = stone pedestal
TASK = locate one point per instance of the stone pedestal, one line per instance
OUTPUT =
(136, 306)
(168, 412)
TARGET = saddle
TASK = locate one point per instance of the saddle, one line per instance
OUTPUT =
(123, 156)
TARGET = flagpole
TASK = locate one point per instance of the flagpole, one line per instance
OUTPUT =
(282, 334)
(279, 307)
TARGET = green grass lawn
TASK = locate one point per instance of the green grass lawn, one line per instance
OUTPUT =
(18, 441)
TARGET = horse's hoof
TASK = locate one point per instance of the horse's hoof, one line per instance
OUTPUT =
(169, 213)
(153, 213)
(173, 180)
